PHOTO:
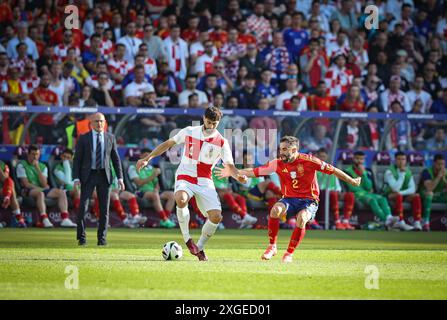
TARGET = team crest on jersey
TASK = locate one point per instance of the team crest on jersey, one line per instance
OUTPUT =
(293, 174)
(300, 170)
(210, 152)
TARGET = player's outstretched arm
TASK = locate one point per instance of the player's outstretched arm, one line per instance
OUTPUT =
(159, 150)
(343, 176)
(230, 170)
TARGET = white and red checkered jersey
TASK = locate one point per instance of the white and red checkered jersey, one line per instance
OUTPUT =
(150, 68)
(201, 154)
(260, 26)
(61, 52)
(121, 67)
(29, 84)
(204, 64)
(338, 80)
(106, 47)
(21, 63)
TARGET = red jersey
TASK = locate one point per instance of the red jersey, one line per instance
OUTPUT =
(298, 178)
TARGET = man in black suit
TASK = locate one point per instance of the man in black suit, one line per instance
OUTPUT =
(91, 168)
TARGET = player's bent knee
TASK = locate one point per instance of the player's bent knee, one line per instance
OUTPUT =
(215, 216)
(302, 219)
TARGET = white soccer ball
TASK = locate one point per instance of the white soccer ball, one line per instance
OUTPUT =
(172, 251)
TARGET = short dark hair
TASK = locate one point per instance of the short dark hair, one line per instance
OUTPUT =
(145, 150)
(33, 147)
(438, 156)
(290, 140)
(213, 114)
(68, 150)
(399, 154)
(359, 153)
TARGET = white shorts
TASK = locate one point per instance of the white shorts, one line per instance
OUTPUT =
(206, 196)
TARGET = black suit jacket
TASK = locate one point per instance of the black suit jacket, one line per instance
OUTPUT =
(82, 162)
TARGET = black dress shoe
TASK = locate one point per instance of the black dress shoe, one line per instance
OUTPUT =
(82, 242)
(102, 242)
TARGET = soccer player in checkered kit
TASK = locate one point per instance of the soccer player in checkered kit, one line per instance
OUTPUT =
(299, 186)
(204, 148)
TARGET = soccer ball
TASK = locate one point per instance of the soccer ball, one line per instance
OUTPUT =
(172, 251)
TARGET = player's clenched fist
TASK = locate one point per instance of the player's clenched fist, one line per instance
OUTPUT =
(357, 181)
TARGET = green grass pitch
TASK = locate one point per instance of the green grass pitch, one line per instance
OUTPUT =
(327, 265)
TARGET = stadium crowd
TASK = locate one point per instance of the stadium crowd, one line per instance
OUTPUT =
(280, 55)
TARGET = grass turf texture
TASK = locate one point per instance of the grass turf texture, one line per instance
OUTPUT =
(328, 265)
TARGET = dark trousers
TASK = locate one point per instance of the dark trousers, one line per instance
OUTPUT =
(96, 179)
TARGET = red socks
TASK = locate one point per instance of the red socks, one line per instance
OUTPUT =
(274, 188)
(119, 209)
(231, 202)
(417, 207)
(133, 206)
(76, 203)
(8, 186)
(349, 199)
(271, 202)
(400, 206)
(162, 215)
(295, 239)
(64, 215)
(333, 200)
(242, 204)
(273, 225)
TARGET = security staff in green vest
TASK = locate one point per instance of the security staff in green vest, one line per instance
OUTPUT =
(148, 187)
(399, 186)
(33, 177)
(366, 192)
(433, 187)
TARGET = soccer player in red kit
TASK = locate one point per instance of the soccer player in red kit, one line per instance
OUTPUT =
(299, 186)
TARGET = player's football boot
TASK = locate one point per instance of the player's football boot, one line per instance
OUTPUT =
(287, 257)
(339, 225)
(248, 221)
(270, 252)
(46, 223)
(167, 224)
(138, 219)
(403, 226)
(67, 223)
(129, 223)
(348, 226)
(21, 223)
(417, 225)
(202, 256)
(314, 225)
(193, 249)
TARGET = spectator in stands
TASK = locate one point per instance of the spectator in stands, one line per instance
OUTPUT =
(352, 100)
(367, 193)
(431, 80)
(33, 177)
(320, 101)
(394, 94)
(433, 188)
(346, 16)
(86, 94)
(313, 64)
(155, 47)
(283, 100)
(276, 57)
(177, 51)
(338, 78)
(265, 87)
(418, 93)
(22, 36)
(22, 59)
(296, 38)
(165, 97)
(438, 142)
(93, 55)
(70, 83)
(232, 52)
(339, 46)
(217, 34)
(191, 82)
(8, 195)
(134, 91)
(332, 184)
(57, 85)
(359, 52)
(64, 177)
(440, 104)
(44, 96)
(247, 96)
(400, 187)
(204, 63)
(400, 134)
(252, 60)
(118, 66)
(102, 94)
(371, 90)
(131, 42)
(258, 25)
(146, 183)
(11, 88)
